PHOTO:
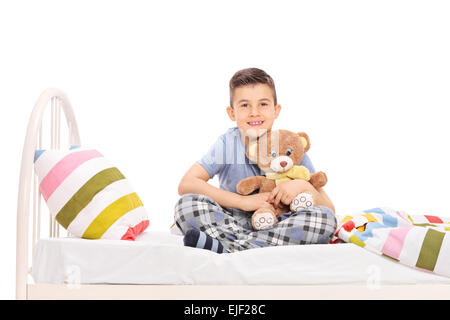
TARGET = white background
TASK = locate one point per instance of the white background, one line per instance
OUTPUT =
(367, 80)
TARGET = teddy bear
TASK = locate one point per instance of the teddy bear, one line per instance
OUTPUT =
(277, 154)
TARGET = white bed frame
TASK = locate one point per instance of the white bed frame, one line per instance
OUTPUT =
(29, 205)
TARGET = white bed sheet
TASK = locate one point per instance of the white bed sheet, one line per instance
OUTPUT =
(161, 258)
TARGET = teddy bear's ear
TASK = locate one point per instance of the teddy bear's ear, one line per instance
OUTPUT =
(252, 151)
(305, 140)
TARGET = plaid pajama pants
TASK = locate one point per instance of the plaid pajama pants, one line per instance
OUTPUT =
(233, 228)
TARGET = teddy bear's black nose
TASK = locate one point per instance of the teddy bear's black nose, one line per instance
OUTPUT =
(283, 164)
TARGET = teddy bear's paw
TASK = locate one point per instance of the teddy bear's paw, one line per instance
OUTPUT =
(302, 201)
(263, 220)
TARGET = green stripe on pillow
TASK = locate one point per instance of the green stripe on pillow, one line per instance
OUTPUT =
(85, 194)
(430, 249)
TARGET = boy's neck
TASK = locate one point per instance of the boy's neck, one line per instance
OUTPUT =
(248, 137)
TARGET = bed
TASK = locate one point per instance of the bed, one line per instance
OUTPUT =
(52, 264)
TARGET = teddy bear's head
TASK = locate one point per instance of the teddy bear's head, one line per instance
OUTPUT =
(278, 151)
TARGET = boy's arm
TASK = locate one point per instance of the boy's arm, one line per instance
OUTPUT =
(325, 200)
(196, 179)
(286, 192)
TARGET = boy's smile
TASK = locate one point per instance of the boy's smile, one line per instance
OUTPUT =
(253, 109)
(255, 123)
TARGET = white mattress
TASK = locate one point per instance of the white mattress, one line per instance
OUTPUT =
(161, 258)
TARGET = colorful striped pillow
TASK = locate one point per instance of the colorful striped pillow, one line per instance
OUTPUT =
(88, 195)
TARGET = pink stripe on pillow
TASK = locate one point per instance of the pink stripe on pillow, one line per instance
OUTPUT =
(63, 168)
(394, 243)
(133, 232)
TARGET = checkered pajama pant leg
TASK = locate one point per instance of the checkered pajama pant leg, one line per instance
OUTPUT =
(232, 227)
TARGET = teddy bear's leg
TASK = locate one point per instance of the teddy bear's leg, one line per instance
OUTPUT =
(263, 218)
(302, 201)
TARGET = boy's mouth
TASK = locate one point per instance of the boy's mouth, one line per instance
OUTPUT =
(255, 123)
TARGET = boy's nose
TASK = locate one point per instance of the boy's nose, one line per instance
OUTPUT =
(283, 164)
(254, 110)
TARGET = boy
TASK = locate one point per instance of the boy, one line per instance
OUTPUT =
(219, 219)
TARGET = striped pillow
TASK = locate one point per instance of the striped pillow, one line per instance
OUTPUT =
(88, 195)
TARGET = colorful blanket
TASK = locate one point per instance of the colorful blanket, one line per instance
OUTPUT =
(419, 241)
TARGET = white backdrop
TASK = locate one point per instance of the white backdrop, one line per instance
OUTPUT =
(367, 80)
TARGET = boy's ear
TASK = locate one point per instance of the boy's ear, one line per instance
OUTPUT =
(305, 141)
(230, 112)
(277, 110)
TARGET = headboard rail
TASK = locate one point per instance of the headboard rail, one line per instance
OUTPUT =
(29, 195)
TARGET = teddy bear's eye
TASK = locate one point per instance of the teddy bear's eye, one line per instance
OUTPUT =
(288, 152)
(273, 154)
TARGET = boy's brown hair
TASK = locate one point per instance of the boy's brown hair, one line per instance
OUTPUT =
(251, 76)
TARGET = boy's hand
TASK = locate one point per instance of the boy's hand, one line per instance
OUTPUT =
(255, 201)
(287, 191)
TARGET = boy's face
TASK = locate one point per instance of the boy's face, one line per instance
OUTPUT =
(253, 109)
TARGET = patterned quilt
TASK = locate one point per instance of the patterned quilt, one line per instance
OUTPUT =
(419, 241)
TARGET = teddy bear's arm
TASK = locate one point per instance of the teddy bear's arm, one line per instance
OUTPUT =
(250, 184)
(267, 185)
(318, 179)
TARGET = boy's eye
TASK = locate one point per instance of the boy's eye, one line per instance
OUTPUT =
(288, 152)
(273, 154)
(244, 105)
(264, 104)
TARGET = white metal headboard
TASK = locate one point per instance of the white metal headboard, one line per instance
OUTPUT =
(29, 194)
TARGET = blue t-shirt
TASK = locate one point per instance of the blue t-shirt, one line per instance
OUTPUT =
(227, 158)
